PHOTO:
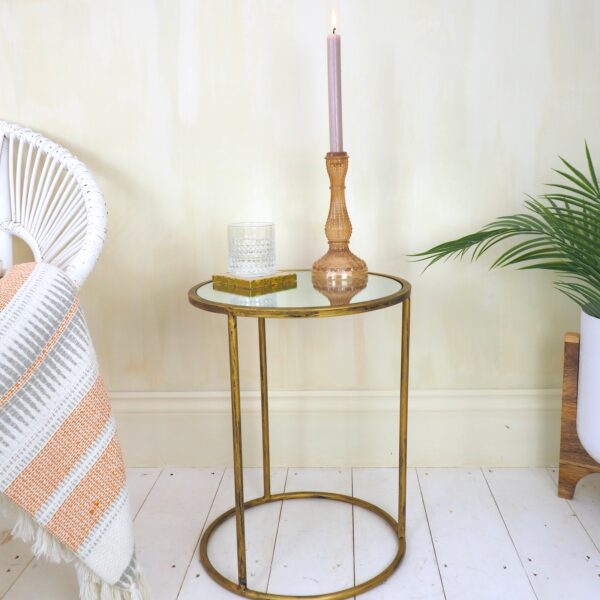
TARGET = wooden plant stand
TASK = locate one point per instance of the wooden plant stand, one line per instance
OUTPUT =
(575, 463)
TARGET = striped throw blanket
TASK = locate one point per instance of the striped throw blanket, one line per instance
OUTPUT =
(61, 469)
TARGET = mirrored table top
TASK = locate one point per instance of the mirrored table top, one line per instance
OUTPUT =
(304, 300)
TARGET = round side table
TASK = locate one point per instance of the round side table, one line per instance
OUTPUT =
(304, 301)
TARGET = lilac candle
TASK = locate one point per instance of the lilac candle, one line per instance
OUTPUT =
(334, 71)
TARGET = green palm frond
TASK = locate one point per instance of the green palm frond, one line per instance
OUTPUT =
(560, 233)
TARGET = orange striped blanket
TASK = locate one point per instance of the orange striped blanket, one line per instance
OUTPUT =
(61, 469)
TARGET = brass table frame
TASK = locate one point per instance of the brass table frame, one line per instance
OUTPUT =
(261, 313)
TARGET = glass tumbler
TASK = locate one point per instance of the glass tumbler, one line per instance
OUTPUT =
(251, 249)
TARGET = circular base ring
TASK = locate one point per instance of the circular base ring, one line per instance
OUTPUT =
(242, 590)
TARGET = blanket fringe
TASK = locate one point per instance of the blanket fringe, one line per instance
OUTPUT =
(44, 545)
(91, 587)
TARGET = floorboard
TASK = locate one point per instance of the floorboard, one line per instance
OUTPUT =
(418, 577)
(314, 548)
(472, 534)
(169, 524)
(261, 530)
(14, 556)
(586, 503)
(475, 553)
(559, 556)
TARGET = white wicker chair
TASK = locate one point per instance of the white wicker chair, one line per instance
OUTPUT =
(49, 199)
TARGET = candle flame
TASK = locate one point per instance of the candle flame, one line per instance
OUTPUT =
(333, 21)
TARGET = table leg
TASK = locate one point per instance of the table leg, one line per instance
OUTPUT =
(264, 407)
(403, 417)
(234, 372)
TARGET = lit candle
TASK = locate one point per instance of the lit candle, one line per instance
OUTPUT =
(334, 71)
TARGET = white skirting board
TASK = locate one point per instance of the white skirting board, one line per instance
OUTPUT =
(516, 428)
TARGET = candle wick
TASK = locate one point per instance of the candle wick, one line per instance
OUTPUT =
(334, 30)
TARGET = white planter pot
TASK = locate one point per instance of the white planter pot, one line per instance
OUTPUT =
(588, 390)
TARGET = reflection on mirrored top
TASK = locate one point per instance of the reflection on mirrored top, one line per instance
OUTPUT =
(305, 295)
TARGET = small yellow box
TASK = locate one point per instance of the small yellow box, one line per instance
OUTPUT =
(254, 286)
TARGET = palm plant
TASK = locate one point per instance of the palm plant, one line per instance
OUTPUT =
(560, 233)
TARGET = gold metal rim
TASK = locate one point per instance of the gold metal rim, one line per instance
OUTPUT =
(236, 588)
(299, 312)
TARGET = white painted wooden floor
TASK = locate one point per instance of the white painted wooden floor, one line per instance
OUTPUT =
(480, 534)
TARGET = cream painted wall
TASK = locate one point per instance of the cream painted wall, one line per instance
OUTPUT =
(192, 114)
